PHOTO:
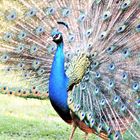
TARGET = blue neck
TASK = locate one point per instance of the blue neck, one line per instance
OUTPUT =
(58, 80)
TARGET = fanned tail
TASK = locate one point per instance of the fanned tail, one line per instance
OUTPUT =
(25, 38)
(108, 97)
(25, 50)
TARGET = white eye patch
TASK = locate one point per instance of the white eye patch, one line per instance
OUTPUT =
(57, 36)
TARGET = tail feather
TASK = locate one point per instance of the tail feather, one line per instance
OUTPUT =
(110, 87)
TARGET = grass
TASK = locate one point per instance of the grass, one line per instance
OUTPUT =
(32, 119)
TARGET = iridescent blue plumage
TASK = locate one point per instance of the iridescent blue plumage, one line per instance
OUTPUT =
(58, 82)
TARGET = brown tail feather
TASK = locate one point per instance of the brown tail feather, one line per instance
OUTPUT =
(87, 129)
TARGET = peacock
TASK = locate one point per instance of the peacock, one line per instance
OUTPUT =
(84, 53)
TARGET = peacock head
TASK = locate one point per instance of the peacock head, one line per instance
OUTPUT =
(57, 36)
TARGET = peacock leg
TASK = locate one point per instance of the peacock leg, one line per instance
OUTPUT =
(86, 136)
(72, 132)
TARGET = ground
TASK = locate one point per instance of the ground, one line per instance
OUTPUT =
(32, 119)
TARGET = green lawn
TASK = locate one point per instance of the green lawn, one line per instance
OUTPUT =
(32, 119)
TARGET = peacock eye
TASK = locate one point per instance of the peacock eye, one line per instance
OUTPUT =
(11, 16)
(138, 28)
(138, 102)
(32, 12)
(56, 37)
(109, 130)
